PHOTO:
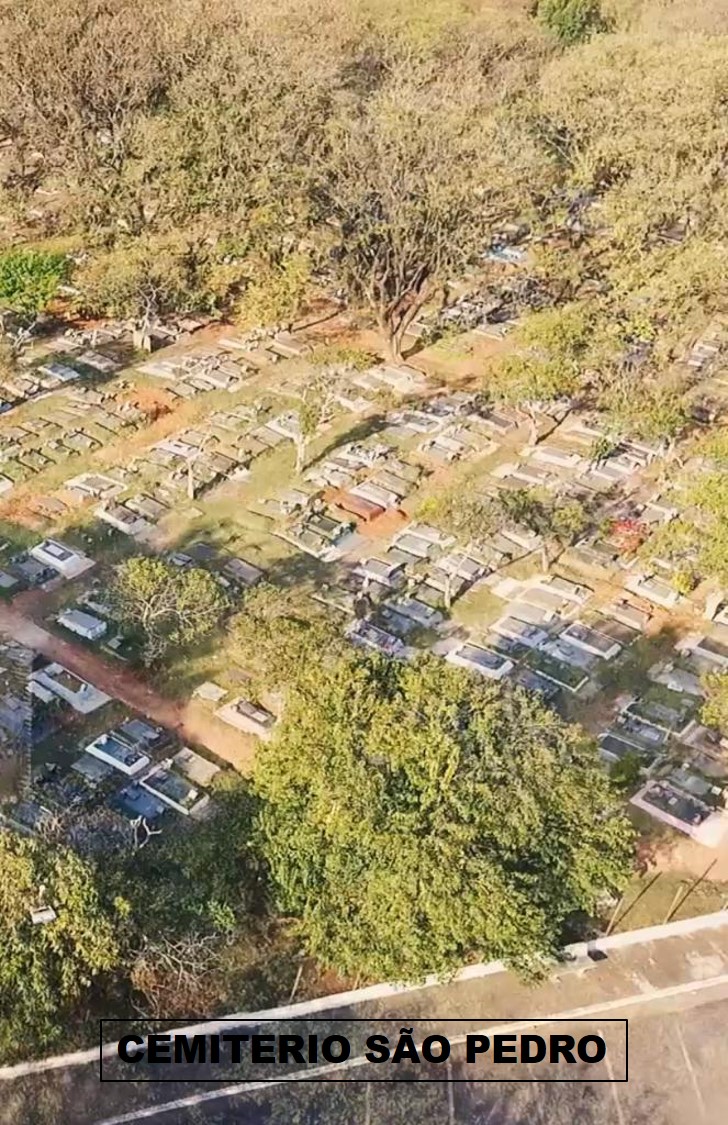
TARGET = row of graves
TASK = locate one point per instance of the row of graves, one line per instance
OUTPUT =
(219, 449)
(359, 481)
(549, 637)
(76, 424)
(684, 763)
(225, 366)
(70, 359)
(579, 458)
(121, 779)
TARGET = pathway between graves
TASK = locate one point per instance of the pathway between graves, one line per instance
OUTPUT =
(120, 683)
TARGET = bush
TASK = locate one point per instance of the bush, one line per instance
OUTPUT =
(572, 21)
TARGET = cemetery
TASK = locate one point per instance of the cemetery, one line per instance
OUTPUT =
(219, 476)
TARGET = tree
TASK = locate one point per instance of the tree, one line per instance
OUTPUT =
(652, 412)
(275, 297)
(46, 967)
(714, 712)
(572, 20)
(464, 512)
(383, 188)
(165, 606)
(414, 817)
(627, 772)
(317, 401)
(557, 520)
(552, 348)
(280, 636)
(29, 281)
(142, 281)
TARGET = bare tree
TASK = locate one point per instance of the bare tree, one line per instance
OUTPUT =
(402, 185)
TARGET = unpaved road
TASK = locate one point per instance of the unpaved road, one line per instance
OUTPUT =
(189, 721)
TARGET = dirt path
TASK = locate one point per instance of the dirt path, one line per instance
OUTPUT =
(188, 721)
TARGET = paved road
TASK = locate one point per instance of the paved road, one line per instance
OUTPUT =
(671, 983)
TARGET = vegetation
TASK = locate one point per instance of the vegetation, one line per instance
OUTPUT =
(29, 281)
(45, 967)
(246, 160)
(165, 606)
(412, 818)
(572, 20)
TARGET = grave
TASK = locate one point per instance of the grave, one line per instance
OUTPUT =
(482, 660)
(653, 589)
(248, 717)
(175, 790)
(424, 615)
(521, 631)
(682, 811)
(83, 624)
(242, 572)
(122, 518)
(61, 558)
(367, 635)
(591, 641)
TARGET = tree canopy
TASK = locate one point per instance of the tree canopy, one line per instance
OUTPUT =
(413, 817)
(164, 605)
(46, 966)
(29, 280)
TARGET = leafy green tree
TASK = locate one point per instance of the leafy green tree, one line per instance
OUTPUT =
(165, 606)
(714, 712)
(275, 297)
(318, 398)
(29, 281)
(654, 413)
(559, 521)
(280, 636)
(45, 968)
(552, 346)
(572, 20)
(627, 772)
(463, 511)
(384, 191)
(414, 817)
(143, 280)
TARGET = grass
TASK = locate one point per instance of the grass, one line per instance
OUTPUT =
(478, 609)
(649, 898)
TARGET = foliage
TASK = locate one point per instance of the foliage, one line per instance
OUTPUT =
(464, 512)
(164, 605)
(275, 297)
(317, 403)
(654, 413)
(46, 967)
(146, 279)
(29, 280)
(714, 712)
(572, 20)
(401, 222)
(552, 517)
(280, 636)
(627, 772)
(414, 817)
(524, 380)
(342, 355)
